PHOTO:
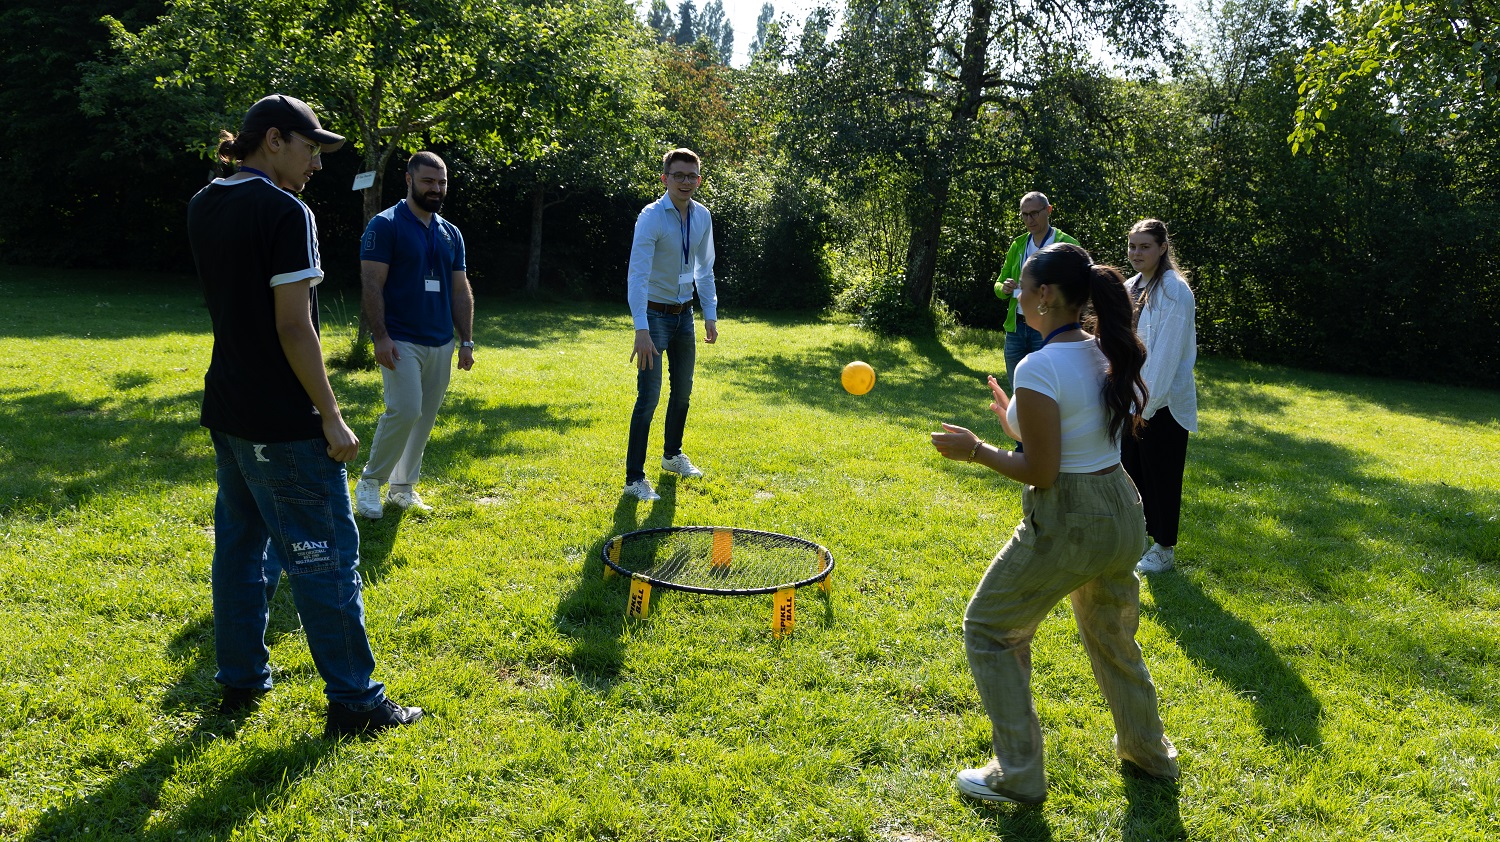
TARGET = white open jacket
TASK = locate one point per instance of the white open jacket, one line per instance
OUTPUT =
(1168, 328)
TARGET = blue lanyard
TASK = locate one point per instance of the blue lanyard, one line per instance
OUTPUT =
(686, 226)
(255, 171)
(1063, 329)
(432, 250)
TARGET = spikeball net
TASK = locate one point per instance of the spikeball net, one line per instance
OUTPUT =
(718, 560)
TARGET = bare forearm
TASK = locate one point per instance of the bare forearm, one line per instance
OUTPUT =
(304, 351)
(463, 307)
(1014, 465)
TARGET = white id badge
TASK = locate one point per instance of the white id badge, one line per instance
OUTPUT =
(434, 284)
(685, 286)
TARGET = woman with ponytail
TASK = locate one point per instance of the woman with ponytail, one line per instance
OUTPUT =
(1166, 324)
(1082, 530)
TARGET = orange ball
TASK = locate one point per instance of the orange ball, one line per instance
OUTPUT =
(858, 378)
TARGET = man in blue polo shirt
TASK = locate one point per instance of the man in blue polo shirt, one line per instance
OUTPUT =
(416, 295)
(671, 256)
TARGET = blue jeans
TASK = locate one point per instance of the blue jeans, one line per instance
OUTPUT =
(677, 337)
(285, 506)
(1017, 345)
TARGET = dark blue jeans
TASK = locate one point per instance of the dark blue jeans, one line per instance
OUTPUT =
(676, 336)
(1017, 345)
(285, 506)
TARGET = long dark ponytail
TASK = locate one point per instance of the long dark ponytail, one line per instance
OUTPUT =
(1081, 282)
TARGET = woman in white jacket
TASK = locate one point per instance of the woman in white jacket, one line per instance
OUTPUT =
(1166, 324)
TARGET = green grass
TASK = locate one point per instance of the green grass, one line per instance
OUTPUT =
(1326, 656)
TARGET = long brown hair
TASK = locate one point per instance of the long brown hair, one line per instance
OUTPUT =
(1081, 282)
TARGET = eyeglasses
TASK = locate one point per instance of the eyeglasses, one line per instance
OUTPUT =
(685, 177)
(1030, 215)
(315, 148)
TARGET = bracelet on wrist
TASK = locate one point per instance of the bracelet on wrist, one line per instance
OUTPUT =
(978, 443)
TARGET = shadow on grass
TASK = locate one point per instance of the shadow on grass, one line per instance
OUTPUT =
(62, 453)
(124, 806)
(1235, 653)
(593, 613)
(1013, 821)
(1152, 812)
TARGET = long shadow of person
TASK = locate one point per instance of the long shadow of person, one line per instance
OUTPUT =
(1285, 708)
(1152, 812)
(1018, 822)
(593, 613)
(124, 806)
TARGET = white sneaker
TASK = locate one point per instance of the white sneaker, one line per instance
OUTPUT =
(367, 499)
(641, 490)
(408, 500)
(681, 465)
(976, 784)
(1158, 559)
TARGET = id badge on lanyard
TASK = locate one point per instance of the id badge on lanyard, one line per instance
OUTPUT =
(685, 277)
(433, 281)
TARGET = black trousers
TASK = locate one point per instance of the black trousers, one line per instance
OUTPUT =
(1155, 462)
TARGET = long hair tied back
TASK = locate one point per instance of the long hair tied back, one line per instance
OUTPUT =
(1072, 272)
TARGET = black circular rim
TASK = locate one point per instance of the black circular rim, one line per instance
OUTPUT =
(632, 574)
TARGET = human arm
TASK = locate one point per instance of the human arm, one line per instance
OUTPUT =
(304, 352)
(463, 318)
(1172, 311)
(372, 276)
(1041, 462)
(999, 406)
(638, 277)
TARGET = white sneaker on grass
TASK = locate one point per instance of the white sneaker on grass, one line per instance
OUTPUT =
(987, 784)
(681, 465)
(407, 500)
(1158, 559)
(641, 490)
(367, 499)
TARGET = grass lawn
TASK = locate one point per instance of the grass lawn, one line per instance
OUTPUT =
(1326, 654)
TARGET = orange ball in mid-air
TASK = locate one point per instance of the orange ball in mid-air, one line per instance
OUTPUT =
(858, 378)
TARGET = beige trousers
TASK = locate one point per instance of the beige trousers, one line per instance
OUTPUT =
(1080, 538)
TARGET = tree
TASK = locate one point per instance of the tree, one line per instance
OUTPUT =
(388, 74)
(711, 24)
(687, 23)
(919, 84)
(762, 23)
(660, 21)
(1435, 58)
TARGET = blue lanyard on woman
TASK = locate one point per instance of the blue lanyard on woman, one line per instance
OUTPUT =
(1063, 329)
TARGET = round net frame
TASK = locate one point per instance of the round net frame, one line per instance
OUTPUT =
(718, 559)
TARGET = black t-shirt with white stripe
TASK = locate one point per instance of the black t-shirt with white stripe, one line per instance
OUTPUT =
(249, 236)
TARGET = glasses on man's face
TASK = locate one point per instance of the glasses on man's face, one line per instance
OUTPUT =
(315, 148)
(686, 177)
(1030, 215)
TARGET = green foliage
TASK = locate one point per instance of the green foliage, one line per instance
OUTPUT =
(1325, 655)
(1438, 60)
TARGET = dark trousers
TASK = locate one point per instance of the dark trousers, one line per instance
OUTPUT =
(1155, 462)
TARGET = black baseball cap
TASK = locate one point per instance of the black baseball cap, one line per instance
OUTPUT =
(289, 114)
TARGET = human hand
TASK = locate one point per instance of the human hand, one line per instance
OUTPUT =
(956, 443)
(465, 357)
(343, 445)
(710, 331)
(644, 352)
(1001, 402)
(386, 353)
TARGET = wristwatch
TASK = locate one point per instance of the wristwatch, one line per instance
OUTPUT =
(467, 343)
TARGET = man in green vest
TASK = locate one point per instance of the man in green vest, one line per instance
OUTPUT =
(1036, 213)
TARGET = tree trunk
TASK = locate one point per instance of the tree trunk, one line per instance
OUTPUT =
(926, 215)
(534, 253)
(361, 353)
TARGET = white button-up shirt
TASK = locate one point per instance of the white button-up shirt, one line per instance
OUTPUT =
(656, 260)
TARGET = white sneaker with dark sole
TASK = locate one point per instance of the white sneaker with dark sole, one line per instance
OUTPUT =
(681, 465)
(367, 499)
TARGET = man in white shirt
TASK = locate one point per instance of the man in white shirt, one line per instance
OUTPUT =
(671, 256)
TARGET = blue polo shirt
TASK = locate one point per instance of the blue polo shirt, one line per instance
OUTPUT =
(415, 311)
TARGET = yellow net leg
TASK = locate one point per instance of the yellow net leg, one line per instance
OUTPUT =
(722, 550)
(826, 561)
(639, 603)
(784, 612)
(614, 555)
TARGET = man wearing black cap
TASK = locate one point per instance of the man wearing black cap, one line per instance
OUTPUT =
(279, 440)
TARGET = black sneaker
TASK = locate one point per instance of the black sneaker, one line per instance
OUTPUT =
(240, 700)
(345, 722)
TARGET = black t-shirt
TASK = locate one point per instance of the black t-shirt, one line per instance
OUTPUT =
(249, 236)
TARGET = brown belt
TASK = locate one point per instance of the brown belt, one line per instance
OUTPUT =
(669, 309)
